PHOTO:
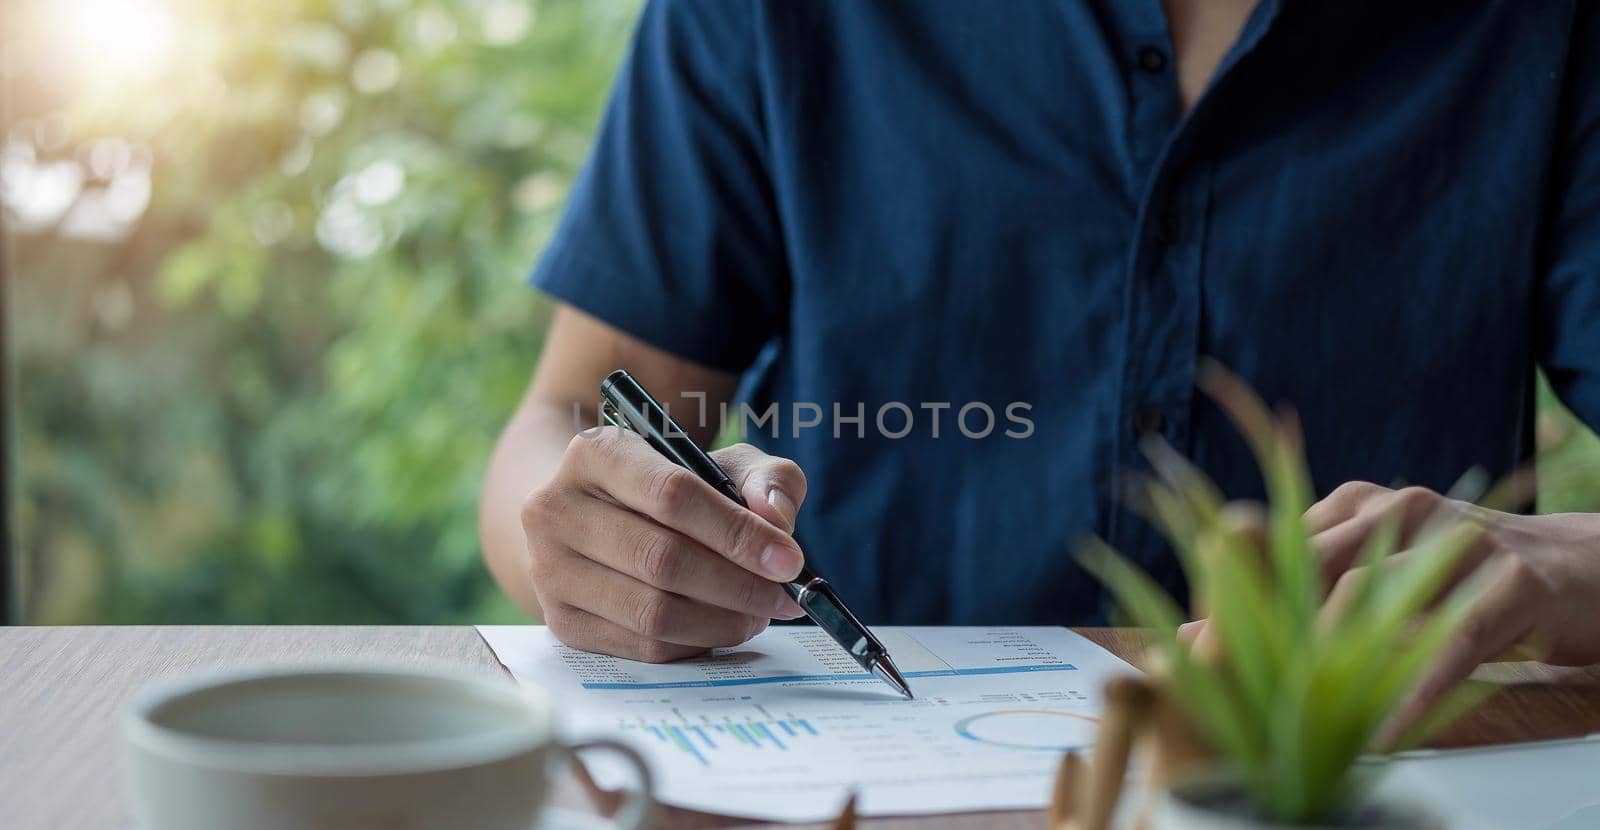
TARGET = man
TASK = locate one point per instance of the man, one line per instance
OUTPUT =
(914, 213)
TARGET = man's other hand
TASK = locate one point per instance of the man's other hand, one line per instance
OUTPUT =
(1543, 586)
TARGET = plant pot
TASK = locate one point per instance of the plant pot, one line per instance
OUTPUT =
(1219, 803)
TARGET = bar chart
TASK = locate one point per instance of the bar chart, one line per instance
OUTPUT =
(705, 738)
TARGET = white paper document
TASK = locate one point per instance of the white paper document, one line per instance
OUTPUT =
(1545, 785)
(783, 727)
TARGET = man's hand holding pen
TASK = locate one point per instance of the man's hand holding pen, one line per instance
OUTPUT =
(633, 555)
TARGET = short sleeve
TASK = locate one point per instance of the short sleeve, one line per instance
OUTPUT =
(670, 233)
(1569, 331)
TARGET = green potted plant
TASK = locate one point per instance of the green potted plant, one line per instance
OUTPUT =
(1291, 690)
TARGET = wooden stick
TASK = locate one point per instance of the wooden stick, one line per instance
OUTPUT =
(1064, 799)
(1128, 704)
(847, 816)
(1179, 747)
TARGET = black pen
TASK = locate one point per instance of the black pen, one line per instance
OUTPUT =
(624, 403)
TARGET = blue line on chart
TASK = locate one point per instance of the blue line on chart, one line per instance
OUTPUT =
(812, 678)
(763, 731)
(683, 743)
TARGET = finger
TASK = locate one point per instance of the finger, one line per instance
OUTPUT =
(648, 612)
(773, 487)
(1207, 646)
(662, 557)
(1201, 638)
(1341, 504)
(582, 630)
(1349, 586)
(1502, 618)
(1245, 521)
(644, 481)
(1339, 546)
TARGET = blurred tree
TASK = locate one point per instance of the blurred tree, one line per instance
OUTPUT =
(271, 315)
(268, 312)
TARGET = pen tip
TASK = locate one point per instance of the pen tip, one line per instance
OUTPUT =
(885, 670)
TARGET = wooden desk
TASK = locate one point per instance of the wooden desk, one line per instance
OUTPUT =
(62, 690)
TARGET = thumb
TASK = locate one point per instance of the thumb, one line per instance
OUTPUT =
(773, 487)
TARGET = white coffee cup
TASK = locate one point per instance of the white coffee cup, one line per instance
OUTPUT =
(351, 748)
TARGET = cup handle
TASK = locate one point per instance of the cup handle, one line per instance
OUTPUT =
(636, 806)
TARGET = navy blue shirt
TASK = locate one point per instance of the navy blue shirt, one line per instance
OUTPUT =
(1383, 213)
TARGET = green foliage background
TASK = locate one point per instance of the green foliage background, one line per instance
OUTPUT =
(225, 418)
(224, 415)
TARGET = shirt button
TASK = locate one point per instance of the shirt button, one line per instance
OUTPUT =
(1152, 59)
(1148, 421)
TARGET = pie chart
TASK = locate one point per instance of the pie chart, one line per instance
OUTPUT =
(1029, 729)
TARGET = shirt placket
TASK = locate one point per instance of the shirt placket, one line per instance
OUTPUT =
(1164, 297)
(1156, 318)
